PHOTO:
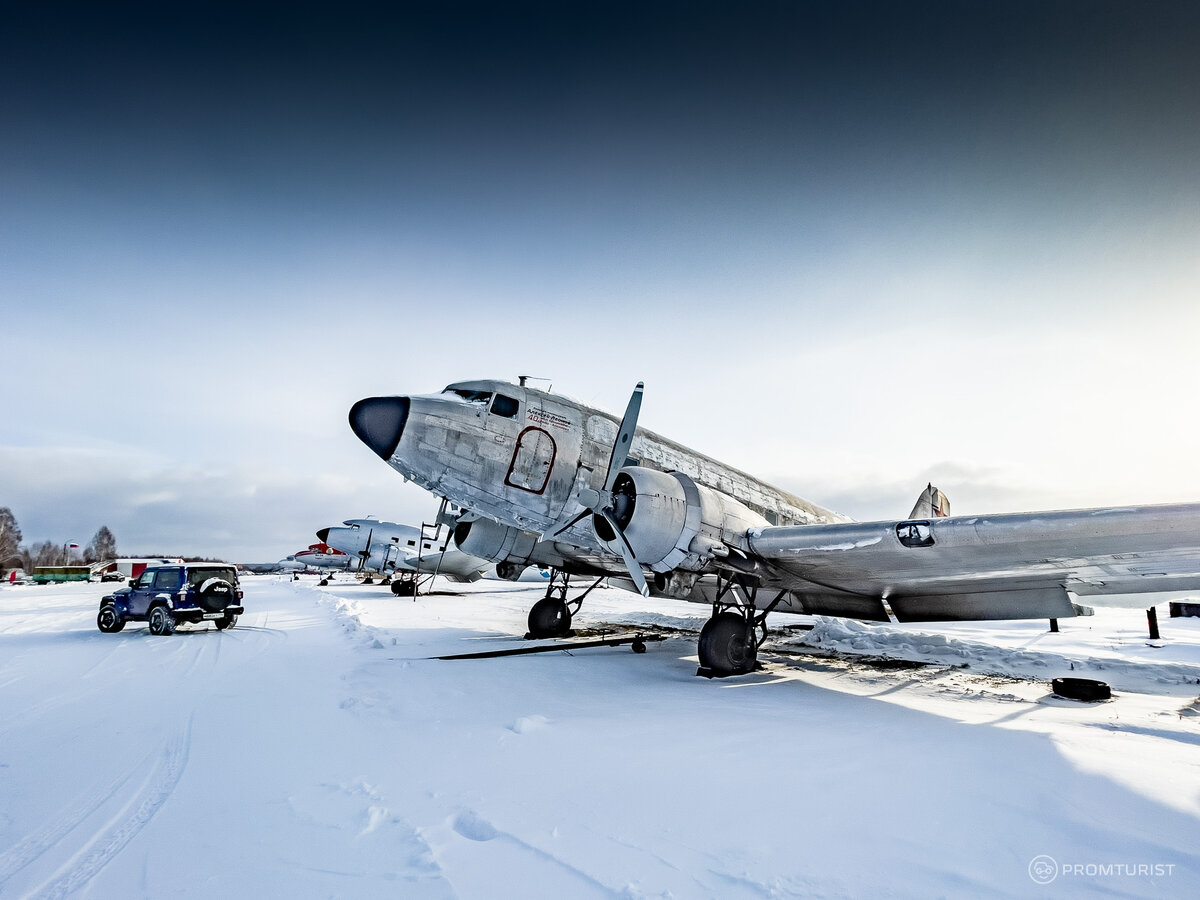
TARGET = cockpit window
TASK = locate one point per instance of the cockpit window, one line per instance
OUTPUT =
(471, 396)
(505, 406)
(915, 534)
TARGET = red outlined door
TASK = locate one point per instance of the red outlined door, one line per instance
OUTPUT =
(532, 461)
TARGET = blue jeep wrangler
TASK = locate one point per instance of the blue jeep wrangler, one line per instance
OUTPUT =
(165, 596)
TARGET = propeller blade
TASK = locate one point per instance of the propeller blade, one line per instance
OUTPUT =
(631, 563)
(564, 526)
(620, 450)
(364, 555)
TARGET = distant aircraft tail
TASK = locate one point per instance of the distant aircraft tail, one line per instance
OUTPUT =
(932, 504)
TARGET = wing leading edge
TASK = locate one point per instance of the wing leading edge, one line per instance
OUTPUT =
(984, 567)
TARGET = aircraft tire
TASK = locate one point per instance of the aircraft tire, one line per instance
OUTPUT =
(726, 645)
(549, 618)
(161, 621)
(1086, 689)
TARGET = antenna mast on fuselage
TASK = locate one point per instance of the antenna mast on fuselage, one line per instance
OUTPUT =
(524, 378)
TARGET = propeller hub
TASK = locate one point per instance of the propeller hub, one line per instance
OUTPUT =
(588, 498)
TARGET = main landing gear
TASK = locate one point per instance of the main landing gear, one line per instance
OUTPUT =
(551, 616)
(729, 641)
(405, 585)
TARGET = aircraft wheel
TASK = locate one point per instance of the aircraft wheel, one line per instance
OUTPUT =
(161, 621)
(108, 620)
(323, 582)
(404, 588)
(1086, 689)
(549, 618)
(727, 645)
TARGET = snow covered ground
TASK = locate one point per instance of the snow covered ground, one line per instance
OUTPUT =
(316, 751)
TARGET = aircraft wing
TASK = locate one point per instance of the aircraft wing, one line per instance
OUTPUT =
(982, 567)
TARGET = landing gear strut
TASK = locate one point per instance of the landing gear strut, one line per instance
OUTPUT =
(730, 640)
(551, 616)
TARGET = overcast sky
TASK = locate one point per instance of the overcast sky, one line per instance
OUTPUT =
(849, 247)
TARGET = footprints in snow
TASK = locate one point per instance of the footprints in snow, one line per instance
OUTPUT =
(474, 828)
(529, 724)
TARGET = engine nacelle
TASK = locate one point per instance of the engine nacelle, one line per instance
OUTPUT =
(513, 548)
(673, 523)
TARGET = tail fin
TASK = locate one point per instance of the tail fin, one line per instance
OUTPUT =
(932, 504)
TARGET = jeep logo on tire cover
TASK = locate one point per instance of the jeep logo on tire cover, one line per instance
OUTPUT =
(215, 594)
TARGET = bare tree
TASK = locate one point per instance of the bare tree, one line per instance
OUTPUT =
(10, 539)
(103, 546)
(47, 553)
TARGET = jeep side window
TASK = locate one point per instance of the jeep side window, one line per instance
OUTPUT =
(168, 580)
(143, 580)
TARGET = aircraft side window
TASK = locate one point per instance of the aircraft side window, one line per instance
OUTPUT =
(412, 543)
(915, 534)
(505, 406)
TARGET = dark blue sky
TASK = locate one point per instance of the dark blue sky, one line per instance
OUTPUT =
(316, 110)
(311, 203)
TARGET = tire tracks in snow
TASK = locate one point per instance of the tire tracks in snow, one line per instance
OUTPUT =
(30, 848)
(123, 827)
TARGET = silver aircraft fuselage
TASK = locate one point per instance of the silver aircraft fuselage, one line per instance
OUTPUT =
(518, 455)
(525, 463)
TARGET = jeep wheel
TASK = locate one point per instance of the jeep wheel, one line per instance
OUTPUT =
(161, 621)
(215, 594)
(108, 620)
(228, 622)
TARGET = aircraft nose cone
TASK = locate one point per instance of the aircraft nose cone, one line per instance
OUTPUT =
(379, 422)
(323, 535)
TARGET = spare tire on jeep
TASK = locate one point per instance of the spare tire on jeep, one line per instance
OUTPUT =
(215, 594)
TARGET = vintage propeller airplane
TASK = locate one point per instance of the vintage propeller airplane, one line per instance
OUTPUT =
(546, 480)
(393, 549)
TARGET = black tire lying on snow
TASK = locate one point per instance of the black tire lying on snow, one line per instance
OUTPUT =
(1086, 689)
